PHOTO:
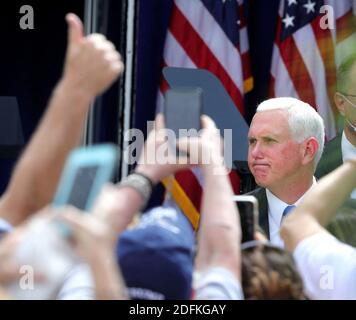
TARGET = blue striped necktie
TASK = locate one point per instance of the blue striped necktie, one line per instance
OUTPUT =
(286, 211)
(2, 233)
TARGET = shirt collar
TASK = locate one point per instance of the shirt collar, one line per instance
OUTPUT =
(5, 226)
(276, 206)
(348, 149)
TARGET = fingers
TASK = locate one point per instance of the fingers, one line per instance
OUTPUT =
(188, 143)
(106, 202)
(75, 28)
(207, 122)
(260, 237)
(79, 220)
(110, 58)
(92, 62)
(156, 135)
(96, 37)
(193, 148)
(72, 216)
(101, 44)
(159, 121)
(118, 67)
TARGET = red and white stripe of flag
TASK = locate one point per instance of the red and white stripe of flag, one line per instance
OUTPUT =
(195, 40)
(304, 65)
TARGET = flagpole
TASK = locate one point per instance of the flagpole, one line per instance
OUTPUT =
(89, 24)
(129, 76)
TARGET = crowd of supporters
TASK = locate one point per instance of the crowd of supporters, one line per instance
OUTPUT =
(118, 252)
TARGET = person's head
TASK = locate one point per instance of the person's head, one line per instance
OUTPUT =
(345, 96)
(156, 256)
(269, 272)
(286, 140)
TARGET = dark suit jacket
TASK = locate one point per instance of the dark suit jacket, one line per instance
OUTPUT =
(331, 158)
(260, 194)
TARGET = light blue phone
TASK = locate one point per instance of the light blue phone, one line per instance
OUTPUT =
(86, 170)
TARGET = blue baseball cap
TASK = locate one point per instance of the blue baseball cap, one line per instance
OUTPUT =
(157, 256)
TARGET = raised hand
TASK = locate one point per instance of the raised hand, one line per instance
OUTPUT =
(92, 62)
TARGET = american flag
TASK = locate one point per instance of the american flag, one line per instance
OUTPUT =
(305, 56)
(212, 35)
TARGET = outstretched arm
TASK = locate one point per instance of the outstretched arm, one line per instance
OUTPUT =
(219, 232)
(94, 241)
(118, 206)
(319, 205)
(91, 66)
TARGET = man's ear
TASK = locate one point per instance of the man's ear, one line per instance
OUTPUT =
(311, 147)
(340, 103)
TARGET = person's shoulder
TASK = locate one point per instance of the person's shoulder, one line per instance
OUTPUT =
(331, 158)
(333, 143)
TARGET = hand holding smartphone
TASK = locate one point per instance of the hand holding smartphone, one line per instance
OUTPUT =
(44, 248)
(86, 171)
(182, 111)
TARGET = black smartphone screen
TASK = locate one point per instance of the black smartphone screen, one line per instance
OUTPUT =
(82, 186)
(247, 220)
(183, 108)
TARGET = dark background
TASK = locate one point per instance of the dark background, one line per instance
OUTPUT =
(31, 60)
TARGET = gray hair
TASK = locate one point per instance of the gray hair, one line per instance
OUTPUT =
(303, 120)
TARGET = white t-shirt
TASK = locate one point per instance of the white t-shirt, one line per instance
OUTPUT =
(327, 267)
(217, 283)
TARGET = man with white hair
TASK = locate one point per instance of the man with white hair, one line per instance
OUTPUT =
(286, 140)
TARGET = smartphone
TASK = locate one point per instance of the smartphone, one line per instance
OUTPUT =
(86, 170)
(248, 210)
(182, 111)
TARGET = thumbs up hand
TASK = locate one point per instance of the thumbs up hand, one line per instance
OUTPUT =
(75, 29)
(92, 62)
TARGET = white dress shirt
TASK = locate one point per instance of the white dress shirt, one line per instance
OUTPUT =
(275, 211)
(348, 152)
(5, 226)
